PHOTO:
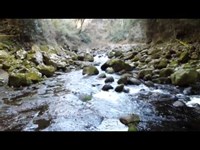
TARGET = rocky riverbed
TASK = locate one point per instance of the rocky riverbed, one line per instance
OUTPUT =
(121, 88)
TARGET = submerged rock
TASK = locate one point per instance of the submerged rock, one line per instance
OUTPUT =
(109, 79)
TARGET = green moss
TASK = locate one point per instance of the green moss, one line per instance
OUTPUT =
(132, 128)
(184, 57)
(90, 70)
(46, 70)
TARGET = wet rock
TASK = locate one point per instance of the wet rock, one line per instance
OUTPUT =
(133, 81)
(130, 119)
(149, 83)
(187, 91)
(117, 65)
(126, 90)
(90, 70)
(109, 79)
(107, 87)
(42, 122)
(184, 77)
(109, 70)
(111, 54)
(182, 97)
(102, 75)
(46, 70)
(119, 88)
(144, 72)
(179, 104)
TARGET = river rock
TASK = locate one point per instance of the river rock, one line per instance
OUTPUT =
(119, 88)
(102, 75)
(107, 87)
(109, 70)
(90, 70)
(179, 104)
(109, 79)
(117, 65)
(130, 119)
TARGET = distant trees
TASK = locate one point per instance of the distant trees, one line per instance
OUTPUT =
(79, 22)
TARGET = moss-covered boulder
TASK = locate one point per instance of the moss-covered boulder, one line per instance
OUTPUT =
(165, 72)
(162, 64)
(117, 65)
(46, 70)
(90, 70)
(18, 79)
(184, 77)
(144, 73)
(22, 76)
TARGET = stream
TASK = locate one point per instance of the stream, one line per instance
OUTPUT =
(58, 104)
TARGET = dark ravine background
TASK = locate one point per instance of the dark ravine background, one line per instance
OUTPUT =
(51, 74)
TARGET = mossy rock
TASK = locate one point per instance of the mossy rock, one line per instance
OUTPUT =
(18, 79)
(133, 118)
(117, 65)
(46, 70)
(118, 53)
(154, 51)
(162, 64)
(88, 57)
(184, 77)
(34, 76)
(173, 63)
(184, 57)
(132, 128)
(110, 70)
(90, 70)
(165, 72)
(111, 54)
(3, 54)
(145, 72)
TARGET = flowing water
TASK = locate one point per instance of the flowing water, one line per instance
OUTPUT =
(59, 104)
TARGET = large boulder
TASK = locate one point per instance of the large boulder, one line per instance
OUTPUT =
(18, 78)
(184, 77)
(117, 65)
(54, 60)
(90, 70)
